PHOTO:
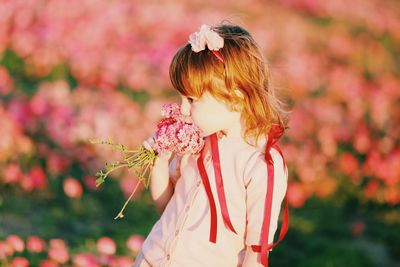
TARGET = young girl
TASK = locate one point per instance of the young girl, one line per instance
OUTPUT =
(220, 208)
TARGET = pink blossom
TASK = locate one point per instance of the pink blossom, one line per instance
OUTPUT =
(11, 173)
(5, 249)
(176, 133)
(106, 245)
(72, 188)
(349, 165)
(296, 194)
(26, 183)
(57, 163)
(35, 244)
(38, 177)
(58, 251)
(6, 81)
(85, 260)
(90, 182)
(19, 262)
(134, 243)
(16, 242)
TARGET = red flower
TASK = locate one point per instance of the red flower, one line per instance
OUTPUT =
(357, 228)
(19, 262)
(296, 194)
(106, 245)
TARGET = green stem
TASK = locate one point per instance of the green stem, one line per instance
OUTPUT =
(120, 214)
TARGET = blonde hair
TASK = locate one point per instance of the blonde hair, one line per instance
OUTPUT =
(244, 74)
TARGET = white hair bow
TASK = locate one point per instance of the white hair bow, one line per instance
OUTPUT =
(204, 37)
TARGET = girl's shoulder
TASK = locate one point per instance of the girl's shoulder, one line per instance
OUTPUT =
(256, 165)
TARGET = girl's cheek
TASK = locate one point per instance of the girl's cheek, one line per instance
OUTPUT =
(197, 119)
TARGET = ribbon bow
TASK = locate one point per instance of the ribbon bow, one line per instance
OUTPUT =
(274, 135)
(206, 36)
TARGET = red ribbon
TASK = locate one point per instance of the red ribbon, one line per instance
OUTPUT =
(213, 209)
(219, 182)
(273, 136)
(218, 55)
(220, 189)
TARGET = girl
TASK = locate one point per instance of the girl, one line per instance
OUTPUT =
(220, 208)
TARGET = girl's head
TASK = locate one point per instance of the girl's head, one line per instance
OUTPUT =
(241, 81)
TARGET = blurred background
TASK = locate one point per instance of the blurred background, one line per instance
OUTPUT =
(75, 70)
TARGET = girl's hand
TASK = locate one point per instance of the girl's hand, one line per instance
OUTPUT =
(176, 166)
(161, 162)
(160, 158)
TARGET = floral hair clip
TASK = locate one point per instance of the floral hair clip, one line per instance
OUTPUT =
(207, 37)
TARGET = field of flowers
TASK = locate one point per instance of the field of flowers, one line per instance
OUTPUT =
(75, 70)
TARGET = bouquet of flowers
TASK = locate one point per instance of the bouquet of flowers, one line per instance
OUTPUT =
(175, 133)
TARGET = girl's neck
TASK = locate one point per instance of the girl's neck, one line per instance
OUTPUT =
(235, 131)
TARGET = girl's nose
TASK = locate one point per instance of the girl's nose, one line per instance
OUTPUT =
(185, 107)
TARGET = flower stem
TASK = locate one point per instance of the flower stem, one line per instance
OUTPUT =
(120, 214)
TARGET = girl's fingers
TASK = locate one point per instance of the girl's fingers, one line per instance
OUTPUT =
(183, 162)
(174, 169)
(147, 145)
(165, 156)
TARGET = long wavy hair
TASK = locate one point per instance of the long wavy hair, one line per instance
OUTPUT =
(244, 73)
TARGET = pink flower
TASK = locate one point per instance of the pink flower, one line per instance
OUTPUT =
(35, 244)
(73, 188)
(170, 110)
(85, 260)
(349, 165)
(90, 182)
(176, 133)
(12, 173)
(6, 81)
(38, 177)
(5, 249)
(56, 163)
(16, 242)
(134, 243)
(106, 245)
(19, 262)
(296, 194)
(58, 251)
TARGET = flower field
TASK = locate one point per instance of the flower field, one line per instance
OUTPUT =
(71, 71)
